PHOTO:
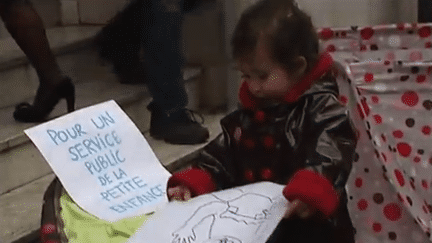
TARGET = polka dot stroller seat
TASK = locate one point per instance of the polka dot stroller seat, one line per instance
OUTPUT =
(384, 79)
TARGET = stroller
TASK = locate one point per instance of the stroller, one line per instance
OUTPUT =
(384, 78)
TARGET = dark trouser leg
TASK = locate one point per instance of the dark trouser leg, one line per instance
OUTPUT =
(26, 27)
(163, 61)
(119, 41)
(424, 11)
(161, 38)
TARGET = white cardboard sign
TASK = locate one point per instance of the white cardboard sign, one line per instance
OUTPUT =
(103, 161)
(247, 214)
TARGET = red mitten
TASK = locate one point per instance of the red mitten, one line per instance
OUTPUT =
(198, 181)
(313, 189)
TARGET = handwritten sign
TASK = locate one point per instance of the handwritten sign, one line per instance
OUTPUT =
(247, 214)
(103, 161)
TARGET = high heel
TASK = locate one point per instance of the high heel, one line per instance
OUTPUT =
(46, 99)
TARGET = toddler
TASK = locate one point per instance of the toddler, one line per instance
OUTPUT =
(291, 128)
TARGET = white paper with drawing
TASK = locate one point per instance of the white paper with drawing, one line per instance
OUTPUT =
(247, 214)
(103, 161)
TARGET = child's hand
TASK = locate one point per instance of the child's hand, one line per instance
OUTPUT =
(179, 193)
(300, 208)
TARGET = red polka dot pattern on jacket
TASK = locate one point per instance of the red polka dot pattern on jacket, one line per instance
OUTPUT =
(268, 142)
(249, 143)
(259, 116)
(249, 175)
(266, 174)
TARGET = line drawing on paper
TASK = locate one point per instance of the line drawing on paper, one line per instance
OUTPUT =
(249, 210)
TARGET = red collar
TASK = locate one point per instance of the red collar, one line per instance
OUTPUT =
(324, 63)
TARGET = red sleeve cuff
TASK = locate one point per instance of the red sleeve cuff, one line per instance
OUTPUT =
(197, 180)
(314, 189)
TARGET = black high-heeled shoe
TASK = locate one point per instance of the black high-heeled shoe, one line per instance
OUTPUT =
(46, 99)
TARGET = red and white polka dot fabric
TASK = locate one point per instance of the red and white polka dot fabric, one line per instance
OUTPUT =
(410, 42)
(389, 96)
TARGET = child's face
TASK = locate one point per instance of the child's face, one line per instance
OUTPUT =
(265, 78)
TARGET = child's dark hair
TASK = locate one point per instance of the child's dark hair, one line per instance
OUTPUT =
(287, 31)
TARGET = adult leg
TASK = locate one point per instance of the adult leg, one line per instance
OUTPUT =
(424, 11)
(26, 27)
(163, 61)
(163, 58)
(119, 43)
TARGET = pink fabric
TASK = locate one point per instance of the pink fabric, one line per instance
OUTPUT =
(388, 91)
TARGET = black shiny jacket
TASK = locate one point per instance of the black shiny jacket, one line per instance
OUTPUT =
(315, 132)
(273, 143)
